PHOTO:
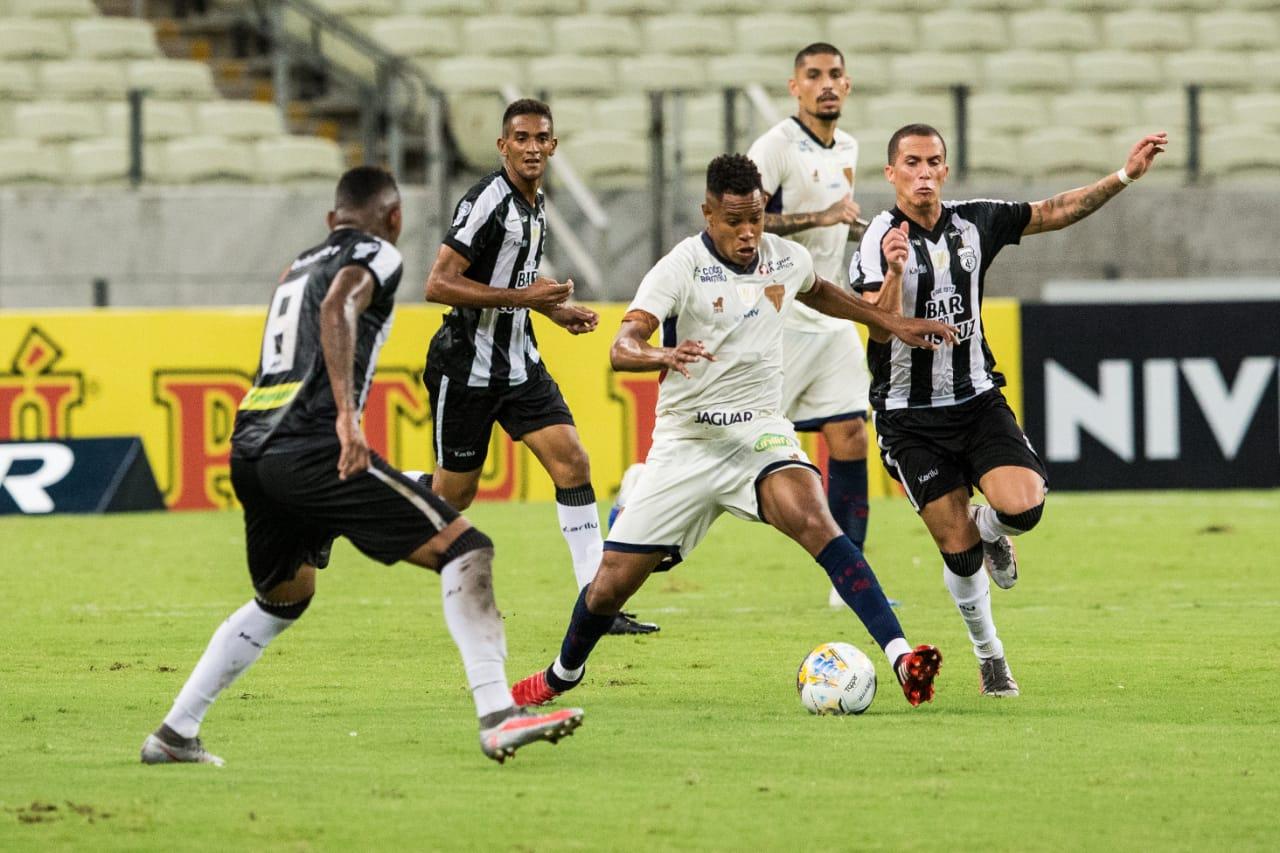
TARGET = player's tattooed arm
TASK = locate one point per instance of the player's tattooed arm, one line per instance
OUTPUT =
(349, 295)
(845, 210)
(447, 285)
(632, 352)
(1071, 206)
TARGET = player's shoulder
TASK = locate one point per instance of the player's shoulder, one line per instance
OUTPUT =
(783, 253)
(978, 206)
(845, 141)
(486, 193)
(880, 223)
(360, 248)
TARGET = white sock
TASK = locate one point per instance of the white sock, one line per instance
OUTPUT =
(234, 647)
(466, 587)
(581, 528)
(972, 596)
(567, 674)
(896, 649)
(990, 527)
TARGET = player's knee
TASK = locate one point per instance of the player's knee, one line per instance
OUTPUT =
(291, 610)
(964, 563)
(461, 497)
(1025, 520)
(469, 541)
(572, 469)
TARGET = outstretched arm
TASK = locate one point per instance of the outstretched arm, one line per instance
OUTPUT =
(348, 296)
(834, 301)
(632, 352)
(1071, 206)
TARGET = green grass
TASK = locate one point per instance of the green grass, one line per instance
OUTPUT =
(1143, 633)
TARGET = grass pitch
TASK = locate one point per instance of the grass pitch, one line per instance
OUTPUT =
(1143, 633)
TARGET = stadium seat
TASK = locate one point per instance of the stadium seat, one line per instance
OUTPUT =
(705, 112)
(1094, 111)
(288, 159)
(570, 73)
(625, 113)
(1259, 108)
(995, 5)
(16, 81)
(896, 5)
(1168, 111)
(1053, 30)
(348, 8)
(542, 7)
(653, 71)
(571, 115)
(114, 38)
(1145, 29)
(1208, 68)
(873, 144)
(1264, 66)
(595, 35)
(461, 8)
(771, 72)
(688, 34)
(27, 161)
(859, 32)
(203, 159)
(867, 73)
(1117, 69)
(415, 35)
(1245, 152)
(961, 30)
(82, 78)
(629, 7)
(896, 110)
(476, 73)
(1092, 5)
(1237, 31)
(239, 119)
(611, 160)
(505, 35)
(56, 121)
(1017, 70)
(1068, 152)
(999, 112)
(52, 8)
(1252, 5)
(777, 34)
(700, 147)
(172, 78)
(475, 120)
(925, 72)
(27, 38)
(1181, 5)
(721, 7)
(160, 120)
(990, 157)
(98, 161)
(810, 7)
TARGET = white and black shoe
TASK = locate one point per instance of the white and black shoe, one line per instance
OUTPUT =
(999, 558)
(997, 680)
(165, 746)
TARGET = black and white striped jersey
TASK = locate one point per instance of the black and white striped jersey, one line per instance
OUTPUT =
(496, 229)
(943, 281)
(290, 406)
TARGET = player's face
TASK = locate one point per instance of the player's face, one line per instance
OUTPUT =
(735, 223)
(820, 86)
(526, 145)
(918, 171)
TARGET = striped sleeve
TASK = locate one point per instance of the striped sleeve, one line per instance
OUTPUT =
(866, 270)
(477, 218)
(377, 256)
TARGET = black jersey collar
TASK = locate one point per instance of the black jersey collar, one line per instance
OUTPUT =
(932, 236)
(515, 191)
(737, 269)
(812, 136)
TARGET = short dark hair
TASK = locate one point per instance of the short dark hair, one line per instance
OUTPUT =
(914, 130)
(733, 173)
(526, 107)
(359, 186)
(818, 48)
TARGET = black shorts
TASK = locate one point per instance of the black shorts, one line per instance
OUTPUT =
(463, 416)
(934, 451)
(295, 506)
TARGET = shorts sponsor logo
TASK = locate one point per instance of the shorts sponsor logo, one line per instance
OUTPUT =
(462, 454)
(926, 477)
(713, 273)
(723, 418)
(772, 440)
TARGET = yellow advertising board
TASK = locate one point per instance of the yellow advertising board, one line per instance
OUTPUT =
(175, 378)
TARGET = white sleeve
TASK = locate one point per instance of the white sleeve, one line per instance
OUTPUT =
(660, 291)
(806, 263)
(767, 154)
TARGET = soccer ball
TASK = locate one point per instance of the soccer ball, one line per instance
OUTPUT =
(836, 678)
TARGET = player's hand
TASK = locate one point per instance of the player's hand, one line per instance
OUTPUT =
(544, 294)
(687, 353)
(845, 211)
(576, 319)
(354, 457)
(1143, 154)
(896, 248)
(923, 334)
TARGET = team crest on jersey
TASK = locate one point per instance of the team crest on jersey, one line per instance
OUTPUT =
(968, 258)
(775, 292)
(718, 305)
(461, 216)
(816, 176)
(364, 250)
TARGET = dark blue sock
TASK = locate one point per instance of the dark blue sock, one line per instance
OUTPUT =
(585, 630)
(857, 585)
(847, 497)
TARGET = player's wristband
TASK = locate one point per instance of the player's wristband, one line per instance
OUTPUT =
(1124, 178)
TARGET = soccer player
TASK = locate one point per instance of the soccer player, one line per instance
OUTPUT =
(301, 467)
(721, 442)
(483, 365)
(943, 424)
(807, 165)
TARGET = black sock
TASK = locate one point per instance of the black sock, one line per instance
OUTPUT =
(585, 630)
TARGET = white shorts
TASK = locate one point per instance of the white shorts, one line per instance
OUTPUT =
(824, 377)
(688, 482)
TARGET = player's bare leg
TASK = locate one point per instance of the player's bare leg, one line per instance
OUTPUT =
(235, 646)
(559, 450)
(621, 574)
(791, 500)
(458, 488)
(1016, 501)
(956, 536)
(847, 482)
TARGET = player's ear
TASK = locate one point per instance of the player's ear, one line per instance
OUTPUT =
(331, 218)
(395, 221)
(888, 172)
(706, 211)
(793, 88)
(555, 143)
